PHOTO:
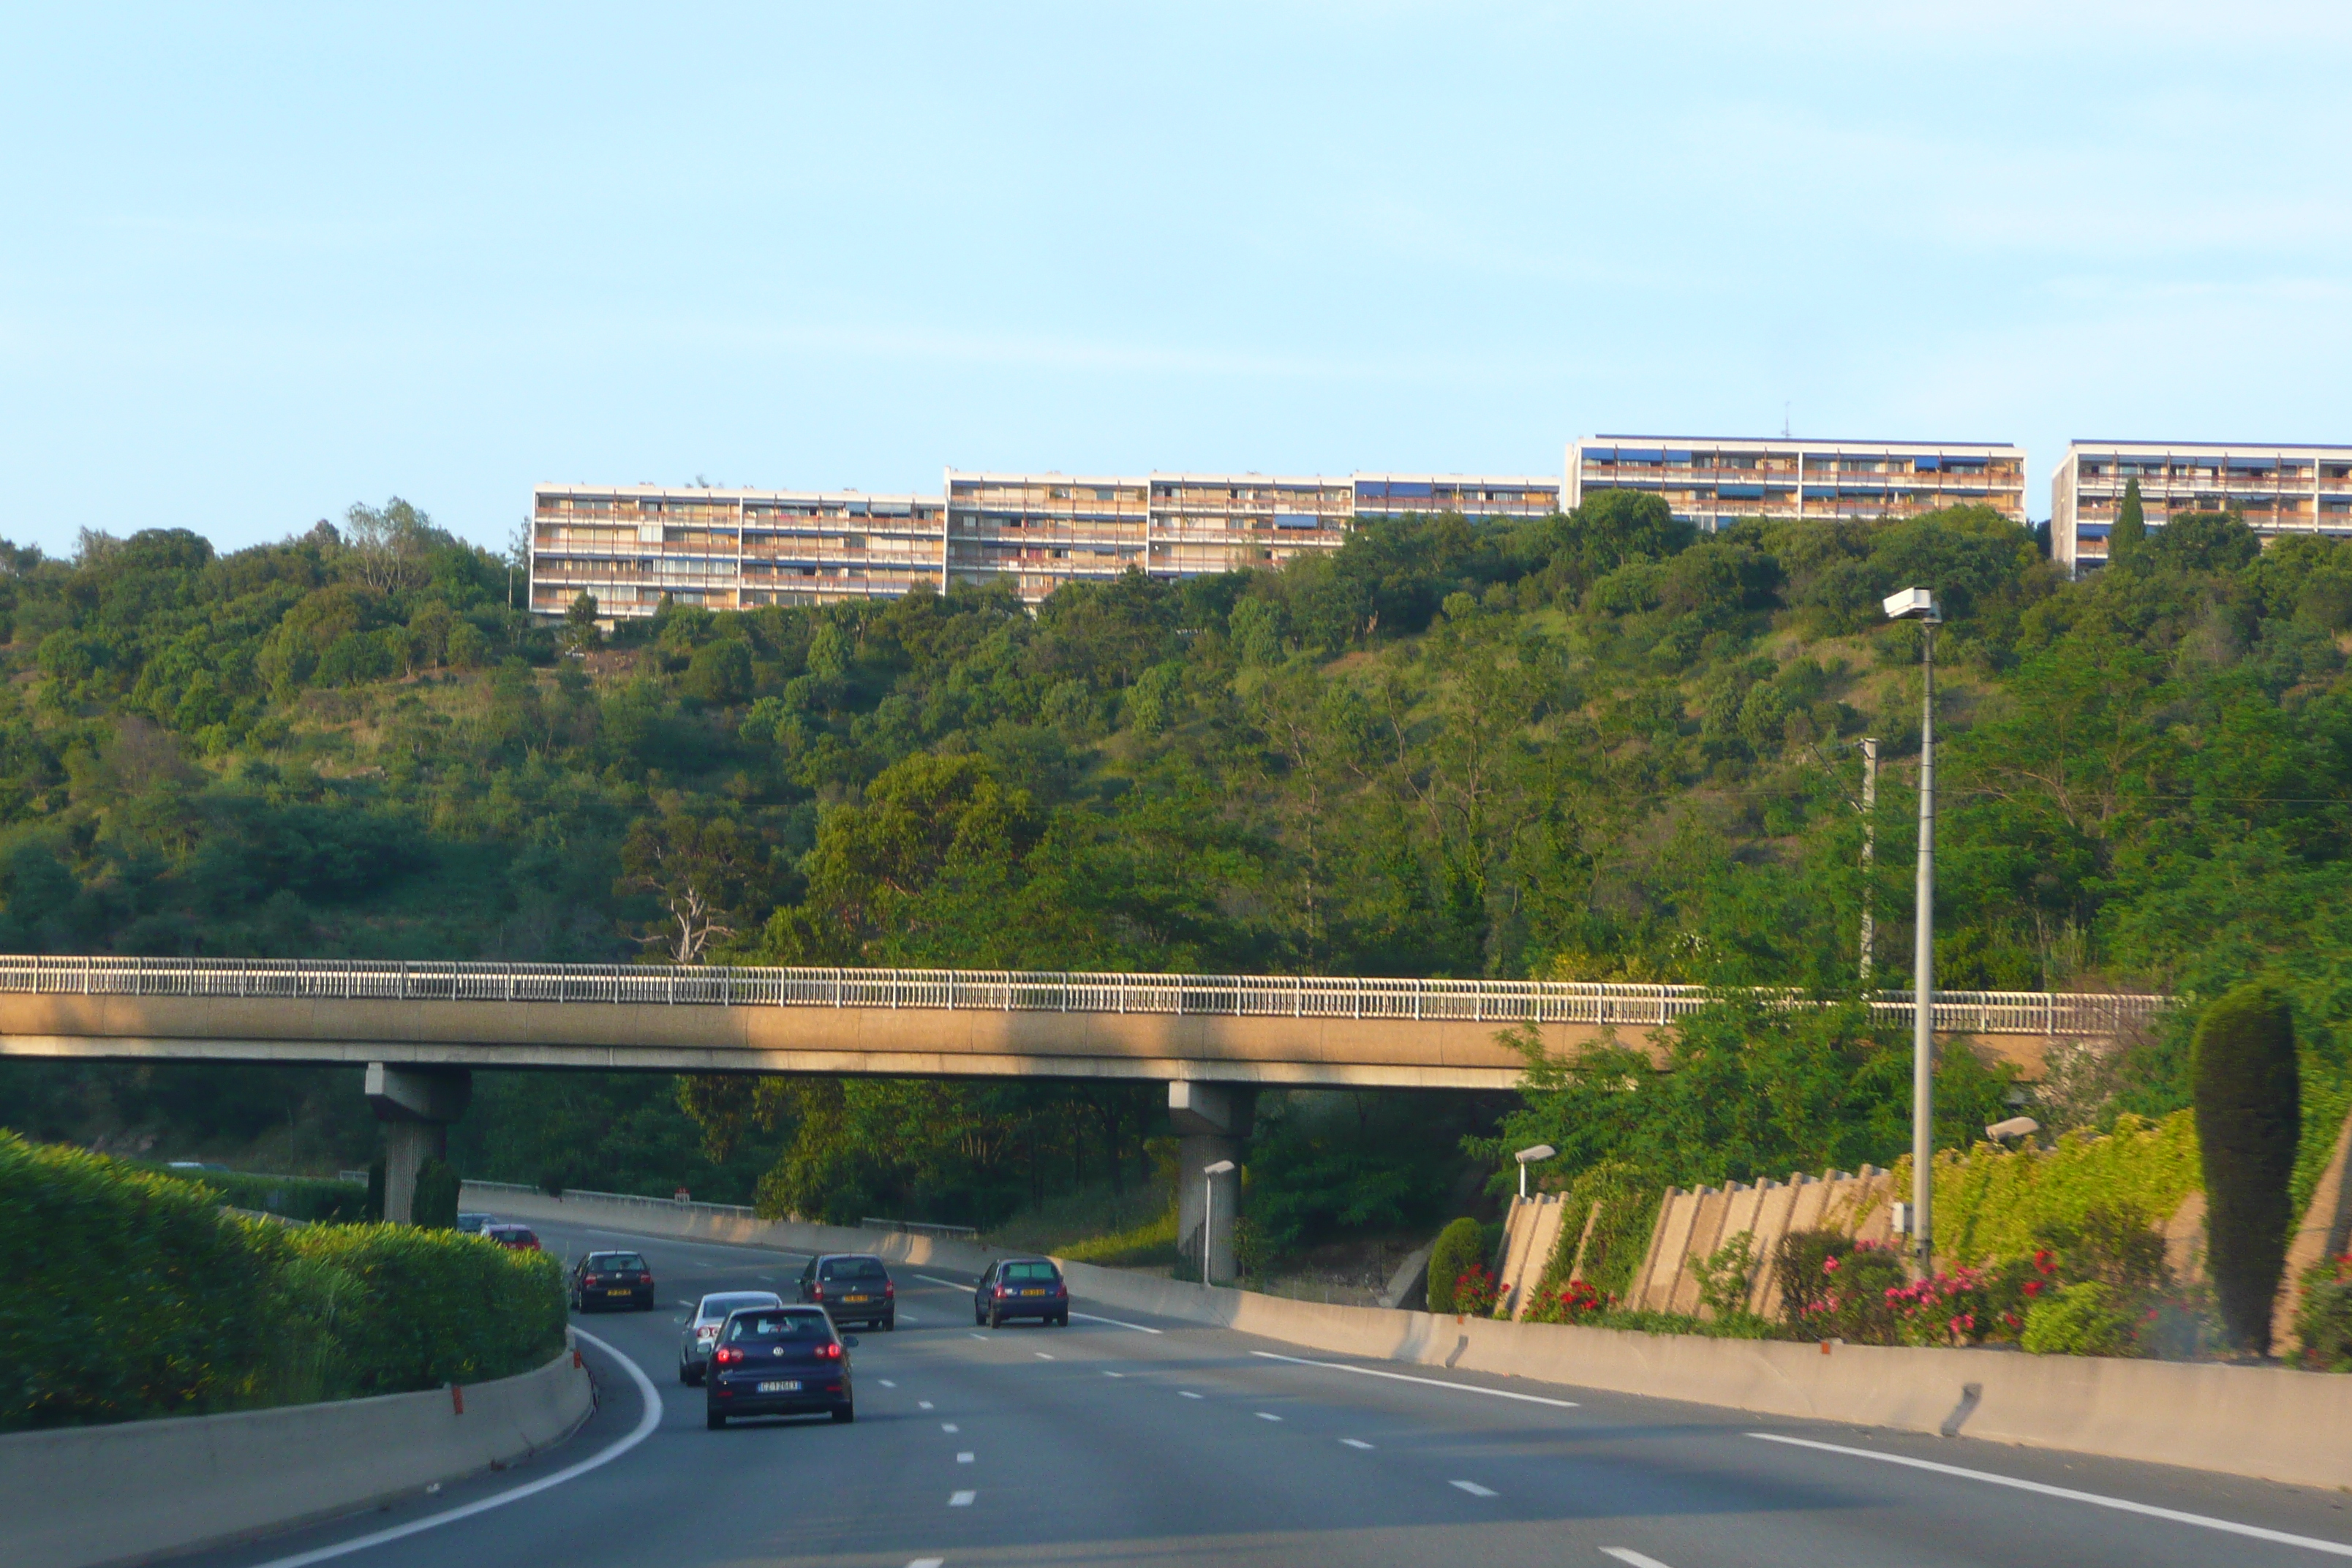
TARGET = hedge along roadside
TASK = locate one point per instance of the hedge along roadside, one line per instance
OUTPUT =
(319, 1198)
(135, 1295)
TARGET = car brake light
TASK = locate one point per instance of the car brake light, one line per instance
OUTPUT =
(644, 1278)
(889, 1291)
(727, 1356)
(591, 1279)
(829, 1352)
(817, 1291)
(1000, 1289)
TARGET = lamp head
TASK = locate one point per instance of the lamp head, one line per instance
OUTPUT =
(1913, 604)
(1541, 1152)
(1219, 1169)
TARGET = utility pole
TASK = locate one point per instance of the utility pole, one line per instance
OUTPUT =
(1869, 847)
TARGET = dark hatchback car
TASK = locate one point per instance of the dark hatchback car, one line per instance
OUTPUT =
(1021, 1287)
(778, 1361)
(853, 1288)
(612, 1280)
(519, 1237)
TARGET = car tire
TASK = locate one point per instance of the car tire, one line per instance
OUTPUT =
(714, 1419)
(995, 1319)
(1061, 1319)
(685, 1376)
(844, 1414)
(889, 1325)
(694, 1376)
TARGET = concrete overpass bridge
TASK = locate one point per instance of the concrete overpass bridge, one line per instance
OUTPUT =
(418, 1027)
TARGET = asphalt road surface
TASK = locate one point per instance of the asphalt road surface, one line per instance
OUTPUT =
(1131, 1440)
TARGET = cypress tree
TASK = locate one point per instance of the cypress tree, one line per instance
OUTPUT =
(2130, 531)
(2248, 1091)
(435, 1205)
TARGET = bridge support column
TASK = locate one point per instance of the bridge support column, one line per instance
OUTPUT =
(415, 1106)
(1212, 1122)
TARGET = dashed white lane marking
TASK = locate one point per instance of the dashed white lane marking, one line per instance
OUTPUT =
(922, 1405)
(1267, 1415)
(979, 1336)
(1355, 1442)
(887, 1383)
(948, 1426)
(687, 1305)
(1190, 1394)
(1633, 1559)
(929, 1563)
(963, 1458)
(1041, 1355)
(1475, 1490)
(647, 1420)
(935, 1280)
(1426, 1381)
(1107, 1373)
(2123, 1505)
(1118, 1323)
(961, 1500)
(910, 1317)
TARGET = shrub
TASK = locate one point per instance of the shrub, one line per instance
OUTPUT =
(1620, 1233)
(2077, 1320)
(1726, 1275)
(1578, 1302)
(132, 1294)
(2324, 1321)
(1476, 1293)
(435, 1207)
(316, 1198)
(1460, 1247)
(2244, 1074)
(1835, 1287)
(426, 1308)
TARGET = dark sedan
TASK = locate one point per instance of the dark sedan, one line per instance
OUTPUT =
(852, 1286)
(778, 1361)
(612, 1280)
(1021, 1287)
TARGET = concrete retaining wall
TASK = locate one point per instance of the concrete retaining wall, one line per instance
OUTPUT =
(81, 1496)
(2264, 1421)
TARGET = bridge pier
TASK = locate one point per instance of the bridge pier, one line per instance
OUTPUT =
(415, 1106)
(1212, 1122)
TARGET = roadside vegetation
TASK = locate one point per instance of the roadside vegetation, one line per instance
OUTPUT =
(1587, 747)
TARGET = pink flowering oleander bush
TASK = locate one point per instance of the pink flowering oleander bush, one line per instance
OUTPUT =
(1578, 1302)
(1835, 1287)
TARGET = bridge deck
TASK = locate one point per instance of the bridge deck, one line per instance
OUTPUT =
(952, 1023)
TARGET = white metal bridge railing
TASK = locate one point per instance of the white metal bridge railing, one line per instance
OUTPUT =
(1218, 996)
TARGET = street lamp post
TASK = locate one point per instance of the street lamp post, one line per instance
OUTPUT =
(1526, 1157)
(1919, 604)
(1209, 1175)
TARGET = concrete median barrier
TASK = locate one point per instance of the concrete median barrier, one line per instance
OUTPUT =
(78, 1496)
(2263, 1422)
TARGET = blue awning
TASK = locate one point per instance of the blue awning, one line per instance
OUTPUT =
(1740, 492)
(1925, 465)
(1297, 519)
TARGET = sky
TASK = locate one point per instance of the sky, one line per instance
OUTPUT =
(260, 263)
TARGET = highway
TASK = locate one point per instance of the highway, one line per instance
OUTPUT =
(1141, 1441)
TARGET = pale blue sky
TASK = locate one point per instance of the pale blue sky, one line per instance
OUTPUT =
(257, 263)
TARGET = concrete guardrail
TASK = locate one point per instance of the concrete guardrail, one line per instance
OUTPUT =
(2265, 1422)
(77, 1497)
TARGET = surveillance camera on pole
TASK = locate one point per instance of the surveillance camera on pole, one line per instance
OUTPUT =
(1919, 604)
(1526, 1157)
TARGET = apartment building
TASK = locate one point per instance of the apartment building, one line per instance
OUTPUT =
(738, 549)
(2277, 489)
(1715, 483)
(726, 549)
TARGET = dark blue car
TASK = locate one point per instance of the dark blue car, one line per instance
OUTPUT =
(778, 1361)
(1021, 1287)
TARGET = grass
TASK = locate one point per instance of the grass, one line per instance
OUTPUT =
(1093, 1225)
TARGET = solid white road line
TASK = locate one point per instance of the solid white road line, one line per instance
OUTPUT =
(1118, 1323)
(2124, 1505)
(1428, 1382)
(1267, 1415)
(650, 1418)
(1355, 1442)
(1633, 1559)
(1190, 1394)
(1474, 1489)
(961, 1500)
(964, 1458)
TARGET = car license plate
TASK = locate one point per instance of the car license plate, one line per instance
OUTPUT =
(622, 1291)
(1032, 1292)
(853, 1301)
(792, 1387)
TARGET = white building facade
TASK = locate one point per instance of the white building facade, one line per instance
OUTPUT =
(1715, 482)
(2278, 490)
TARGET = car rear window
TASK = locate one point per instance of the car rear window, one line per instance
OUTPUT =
(1030, 1271)
(856, 1268)
(617, 1263)
(716, 1308)
(779, 1326)
(514, 1233)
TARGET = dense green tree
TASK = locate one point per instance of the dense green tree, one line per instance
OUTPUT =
(2249, 1120)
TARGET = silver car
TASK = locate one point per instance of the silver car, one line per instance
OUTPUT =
(702, 1328)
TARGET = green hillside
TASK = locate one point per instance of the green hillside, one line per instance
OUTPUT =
(1591, 746)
